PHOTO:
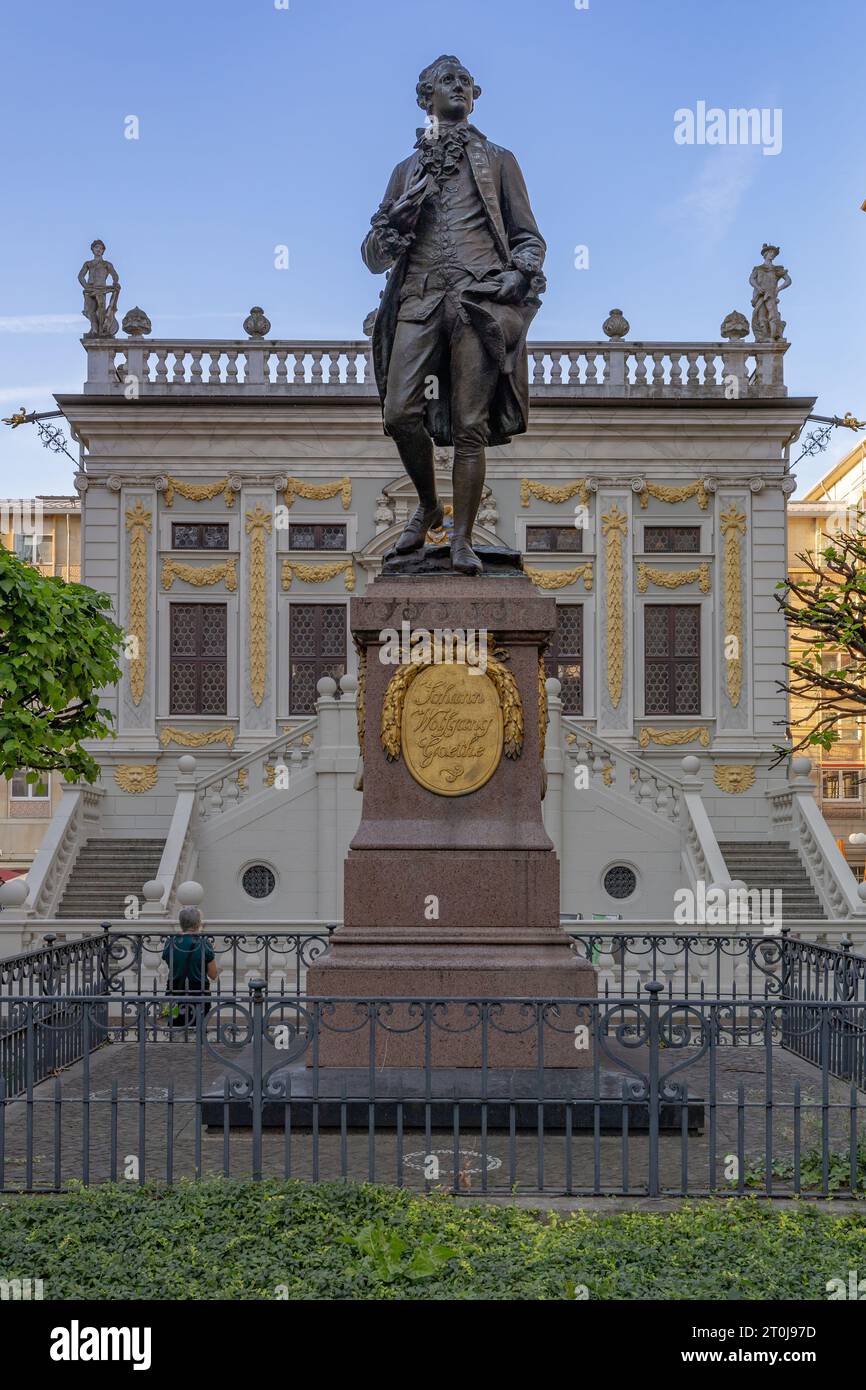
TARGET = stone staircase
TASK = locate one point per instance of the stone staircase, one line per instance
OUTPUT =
(767, 864)
(104, 875)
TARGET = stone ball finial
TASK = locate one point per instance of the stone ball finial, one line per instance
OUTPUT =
(861, 892)
(801, 767)
(553, 686)
(691, 765)
(13, 893)
(348, 684)
(152, 890)
(257, 324)
(326, 686)
(186, 764)
(136, 324)
(734, 325)
(616, 325)
(190, 894)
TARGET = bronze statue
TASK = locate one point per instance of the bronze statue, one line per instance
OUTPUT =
(456, 231)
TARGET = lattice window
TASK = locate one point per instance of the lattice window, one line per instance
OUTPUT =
(672, 540)
(553, 538)
(620, 881)
(308, 536)
(258, 881)
(564, 658)
(205, 535)
(672, 654)
(317, 648)
(197, 658)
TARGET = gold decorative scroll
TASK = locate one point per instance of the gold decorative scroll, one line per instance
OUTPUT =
(676, 494)
(607, 774)
(672, 738)
(506, 687)
(732, 524)
(188, 739)
(200, 575)
(258, 523)
(135, 777)
(733, 777)
(319, 574)
(319, 492)
(199, 492)
(614, 525)
(557, 579)
(138, 524)
(671, 579)
(549, 492)
(242, 778)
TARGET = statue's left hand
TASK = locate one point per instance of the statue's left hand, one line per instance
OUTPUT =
(512, 287)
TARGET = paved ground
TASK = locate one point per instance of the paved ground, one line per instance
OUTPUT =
(59, 1137)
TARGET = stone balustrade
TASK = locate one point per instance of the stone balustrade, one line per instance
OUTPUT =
(145, 366)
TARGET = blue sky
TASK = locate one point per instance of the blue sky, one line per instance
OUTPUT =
(262, 126)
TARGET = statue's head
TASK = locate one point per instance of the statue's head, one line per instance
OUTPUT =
(98, 248)
(446, 89)
(768, 251)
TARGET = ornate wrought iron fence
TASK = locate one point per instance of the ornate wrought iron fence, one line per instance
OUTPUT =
(663, 1103)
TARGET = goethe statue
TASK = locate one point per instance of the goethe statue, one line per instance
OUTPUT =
(456, 231)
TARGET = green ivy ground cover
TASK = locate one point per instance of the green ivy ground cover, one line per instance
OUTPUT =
(235, 1240)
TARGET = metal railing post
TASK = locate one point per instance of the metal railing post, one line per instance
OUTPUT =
(654, 990)
(257, 1002)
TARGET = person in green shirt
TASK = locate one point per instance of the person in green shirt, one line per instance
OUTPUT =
(191, 966)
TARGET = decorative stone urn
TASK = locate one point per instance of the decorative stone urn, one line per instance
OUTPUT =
(257, 324)
(136, 324)
(734, 325)
(616, 325)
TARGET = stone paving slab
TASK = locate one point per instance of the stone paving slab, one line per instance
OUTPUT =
(48, 1142)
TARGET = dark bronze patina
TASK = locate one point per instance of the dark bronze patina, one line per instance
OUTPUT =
(456, 231)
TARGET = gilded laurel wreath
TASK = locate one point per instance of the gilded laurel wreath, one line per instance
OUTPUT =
(506, 688)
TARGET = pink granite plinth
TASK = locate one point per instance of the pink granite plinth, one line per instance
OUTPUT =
(452, 897)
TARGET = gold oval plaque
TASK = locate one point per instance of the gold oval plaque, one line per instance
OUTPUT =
(452, 728)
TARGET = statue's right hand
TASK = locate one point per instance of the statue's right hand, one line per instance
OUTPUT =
(403, 213)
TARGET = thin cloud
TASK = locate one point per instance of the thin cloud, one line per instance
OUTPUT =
(38, 323)
(710, 206)
(22, 395)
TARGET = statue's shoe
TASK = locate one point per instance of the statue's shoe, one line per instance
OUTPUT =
(463, 558)
(415, 534)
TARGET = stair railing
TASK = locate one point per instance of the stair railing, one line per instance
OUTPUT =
(612, 771)
(796, 816)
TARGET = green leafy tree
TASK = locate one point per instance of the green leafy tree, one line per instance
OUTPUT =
(825, 606)
(57, 649)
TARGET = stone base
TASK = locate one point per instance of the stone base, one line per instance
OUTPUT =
(341, 1097)
(464, 963)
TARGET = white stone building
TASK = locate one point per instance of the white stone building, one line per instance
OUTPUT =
(235, 494)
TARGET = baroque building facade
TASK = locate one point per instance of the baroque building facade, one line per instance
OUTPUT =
(236, 494)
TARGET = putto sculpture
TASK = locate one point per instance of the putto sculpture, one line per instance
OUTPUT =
(767, 282)
(100, 296)
(456, 232)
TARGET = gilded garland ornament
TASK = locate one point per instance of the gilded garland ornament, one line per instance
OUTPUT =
(187, 738)
(543, 715)
(733, 777)
(318, 492)
(507, 692)
(663, 493)
(614, 525)
(558, 579)
(732, 524)
(361, 705)
(672, 579)
(138, 524)
(672, 738)
(319, 574)
(200, 575)
(549, 492)
(199, 492)
(135, 777)
(258, 524)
